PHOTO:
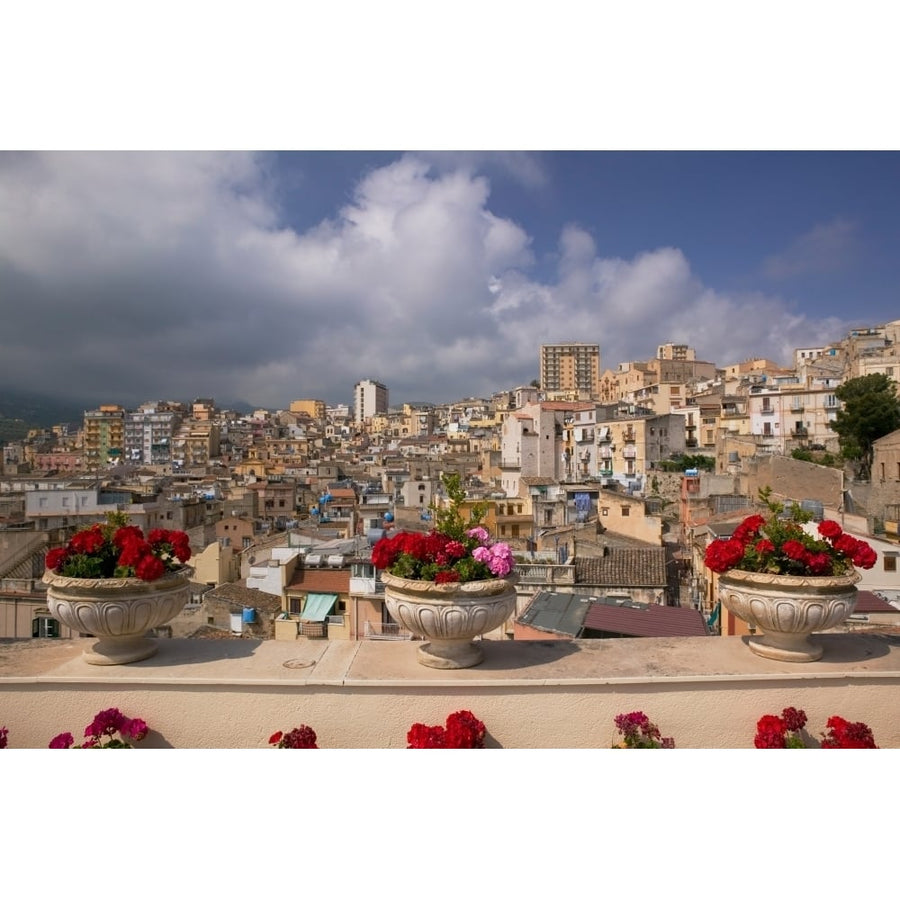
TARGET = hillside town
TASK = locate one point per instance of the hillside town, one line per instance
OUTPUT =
(608, 484)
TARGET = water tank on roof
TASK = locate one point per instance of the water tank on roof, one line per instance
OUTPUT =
(691, 473)
(249, 615)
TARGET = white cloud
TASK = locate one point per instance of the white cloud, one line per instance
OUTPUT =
(138, 276)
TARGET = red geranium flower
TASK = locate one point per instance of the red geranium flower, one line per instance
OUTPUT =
(780, 545)
(149, 568)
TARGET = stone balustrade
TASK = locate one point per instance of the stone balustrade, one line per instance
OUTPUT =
(703, 692)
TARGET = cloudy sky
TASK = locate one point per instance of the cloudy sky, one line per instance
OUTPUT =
(268, 277)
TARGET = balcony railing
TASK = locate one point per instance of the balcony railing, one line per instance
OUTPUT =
(386, 631)
(544, 573)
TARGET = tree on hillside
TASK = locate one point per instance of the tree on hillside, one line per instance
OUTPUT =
(871, 410)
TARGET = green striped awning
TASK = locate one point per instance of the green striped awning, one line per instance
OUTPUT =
(317, 607)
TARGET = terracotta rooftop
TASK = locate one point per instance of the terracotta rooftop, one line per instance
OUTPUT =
(641, 620)
(325, 580)
(241, 595)
(867, 602)
(623, 567)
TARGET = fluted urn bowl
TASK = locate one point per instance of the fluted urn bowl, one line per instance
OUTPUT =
(449, 616)
(118, 611)
(788, 609)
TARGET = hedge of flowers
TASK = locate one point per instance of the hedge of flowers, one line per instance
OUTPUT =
(111, 729)
(302, 738)
(639, 733)
(462, 731)
(784, 732)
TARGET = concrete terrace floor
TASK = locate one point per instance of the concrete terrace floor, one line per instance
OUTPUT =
(338, 662)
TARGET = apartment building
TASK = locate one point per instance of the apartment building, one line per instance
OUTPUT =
(315, 409)
(104, 436)
(572, 369)
(631, 442)
(546, 440)
(791, 418)
(370, 398)
(195, 443)
(203, 409)
(149, 434)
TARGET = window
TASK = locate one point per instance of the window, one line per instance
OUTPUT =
(626, 510)
(890, 562)
(44, 627)
(294, 603)
(604, 510)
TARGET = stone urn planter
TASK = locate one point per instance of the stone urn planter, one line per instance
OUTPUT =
(118, 611)
(787, 609)
(449, 616)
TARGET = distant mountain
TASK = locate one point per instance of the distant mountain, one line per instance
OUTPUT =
(39, 410)
(22, 410)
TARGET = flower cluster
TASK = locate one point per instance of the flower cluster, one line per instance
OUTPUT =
(462, 732)
(117, 550)
(101, 733)
(780, 732)
(639, 733)
(783, 732)
(4, 734)
(302, 738)
(780, 545)
(439, 558)
(455, 551)
(844, 735)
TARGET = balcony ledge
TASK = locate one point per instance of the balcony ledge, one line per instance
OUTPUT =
(705, 692)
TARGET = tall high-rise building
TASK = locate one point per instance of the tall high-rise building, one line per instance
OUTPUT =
(370, 398)
(104, 435)
(149, 433)
(571, 368)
